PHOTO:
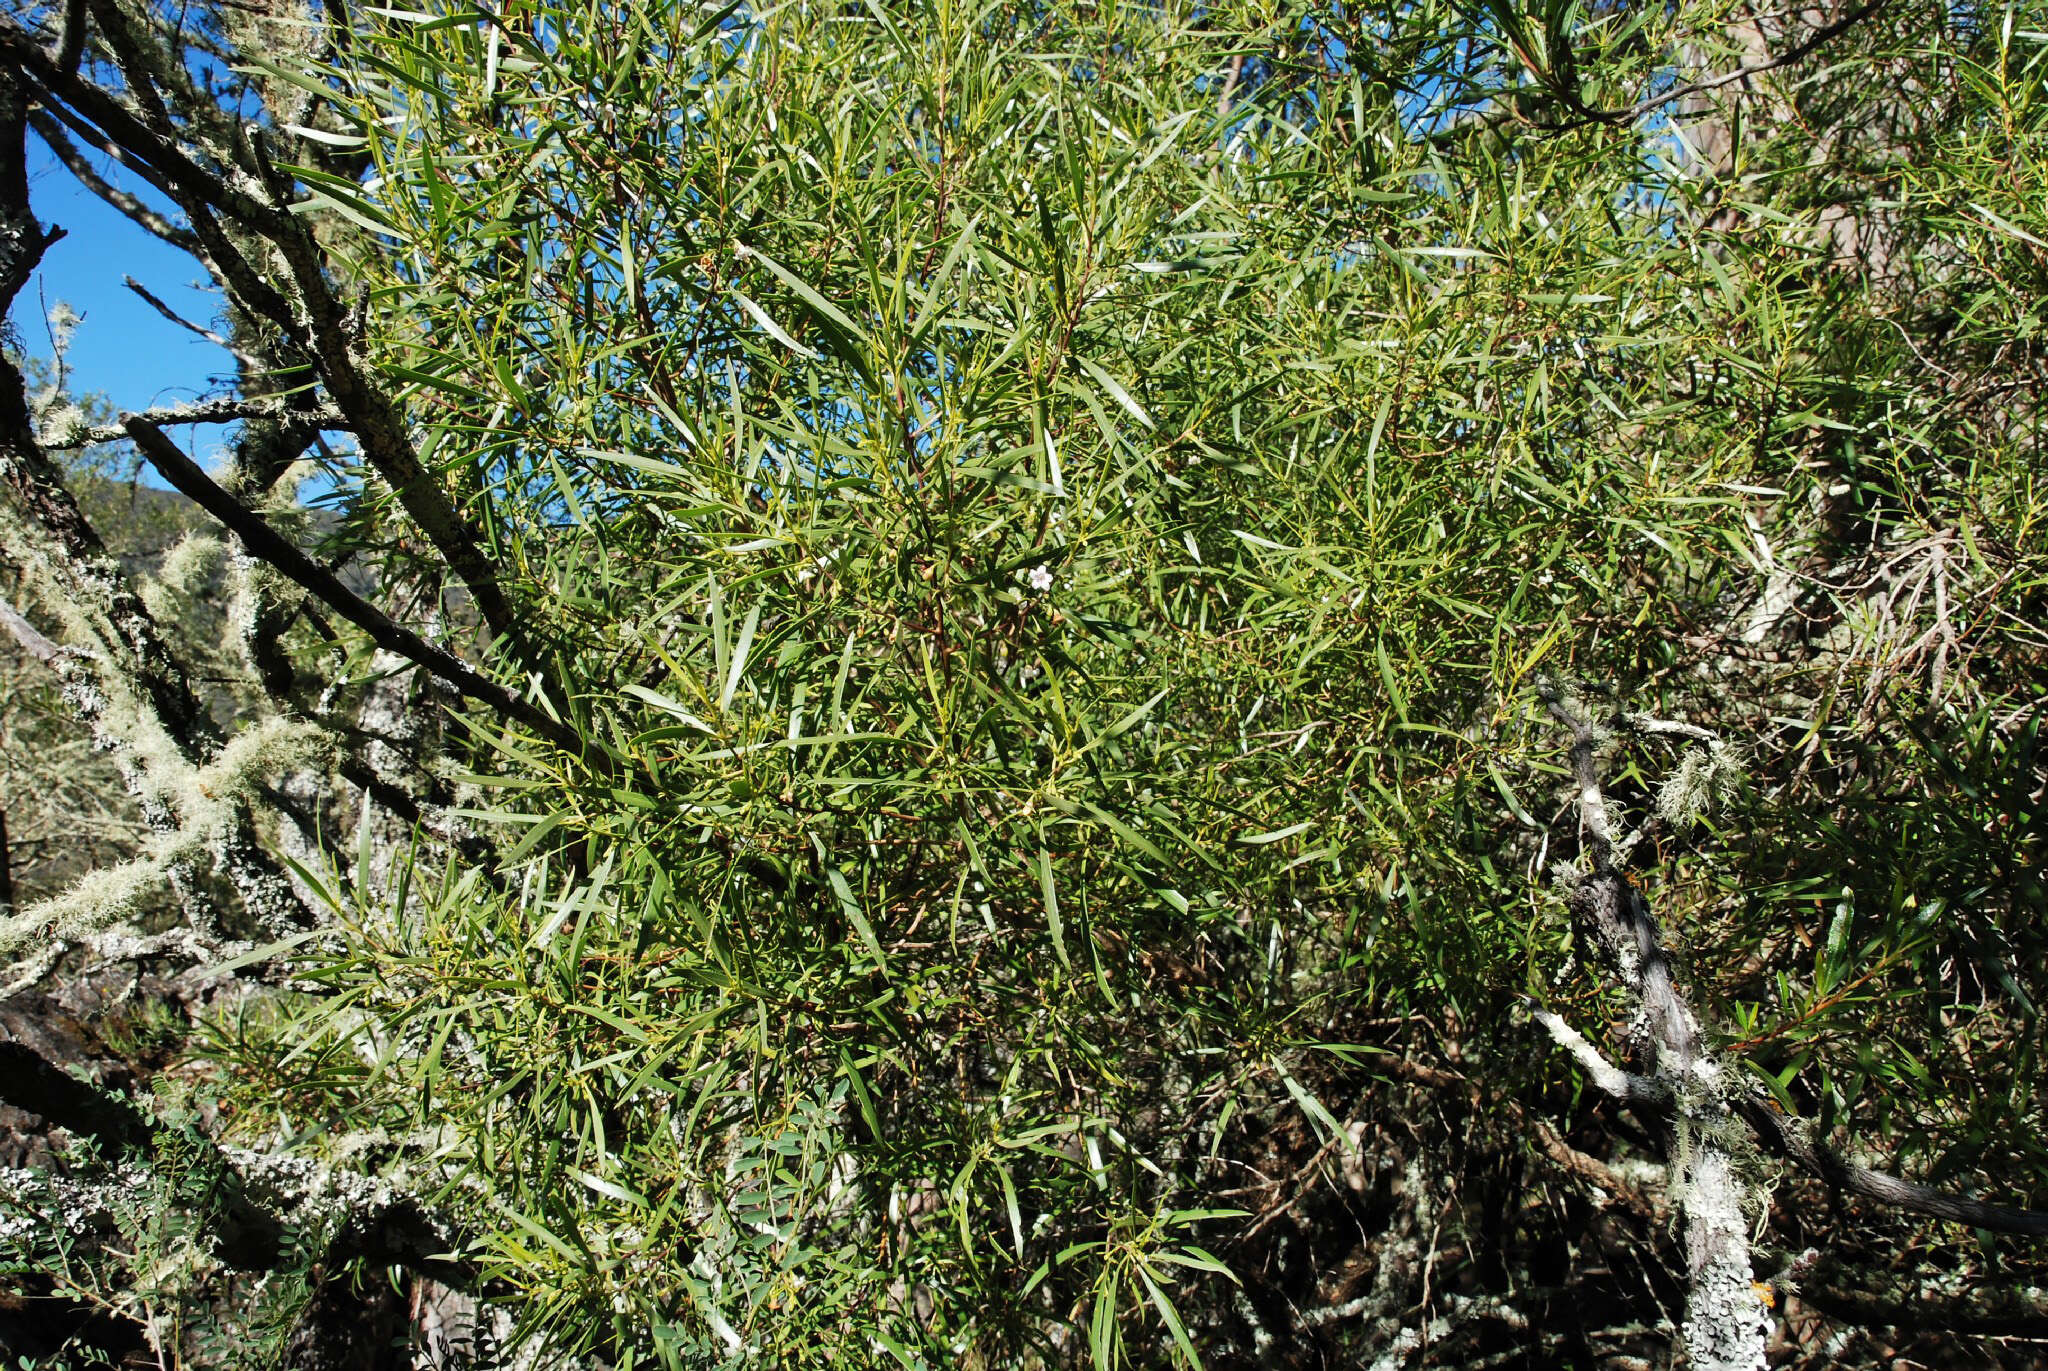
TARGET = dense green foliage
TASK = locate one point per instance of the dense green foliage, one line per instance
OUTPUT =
(1047, 519)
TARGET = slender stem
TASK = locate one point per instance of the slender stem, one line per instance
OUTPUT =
(6, 868)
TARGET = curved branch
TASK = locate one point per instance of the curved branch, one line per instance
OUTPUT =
(1781, 1135)
(1712, 83)
(82, 170)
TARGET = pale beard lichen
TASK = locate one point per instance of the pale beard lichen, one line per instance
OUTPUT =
(204, 796)
(252, 585)
(205, 800)
(1704, 777)
(186, 575)
(62, 425)
(95, 900)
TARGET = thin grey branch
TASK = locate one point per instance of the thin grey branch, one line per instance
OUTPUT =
(208, 412)
(30, 637)
(180, 320)
(1592, 798)
(1622, 1085)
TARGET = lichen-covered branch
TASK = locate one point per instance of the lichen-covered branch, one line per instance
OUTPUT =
(1686, 1087)
(1725, 1321)
(132, 689)
(244, 195)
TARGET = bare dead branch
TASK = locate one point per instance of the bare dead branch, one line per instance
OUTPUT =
(1669, 728)
(207, 412)
(174, 317)
(1594, 1172)
(1622, 1085)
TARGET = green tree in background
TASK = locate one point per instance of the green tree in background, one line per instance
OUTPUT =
(1056, 685)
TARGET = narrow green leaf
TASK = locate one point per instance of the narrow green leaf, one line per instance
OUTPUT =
(1116, 391)
(1051, 900)
(768, 324)
(854, 915)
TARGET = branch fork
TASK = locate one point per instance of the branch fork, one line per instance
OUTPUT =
(1683, 1083)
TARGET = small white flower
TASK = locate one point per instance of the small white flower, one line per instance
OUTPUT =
(1040, 579)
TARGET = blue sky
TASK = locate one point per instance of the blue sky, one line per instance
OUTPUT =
(123, 348)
